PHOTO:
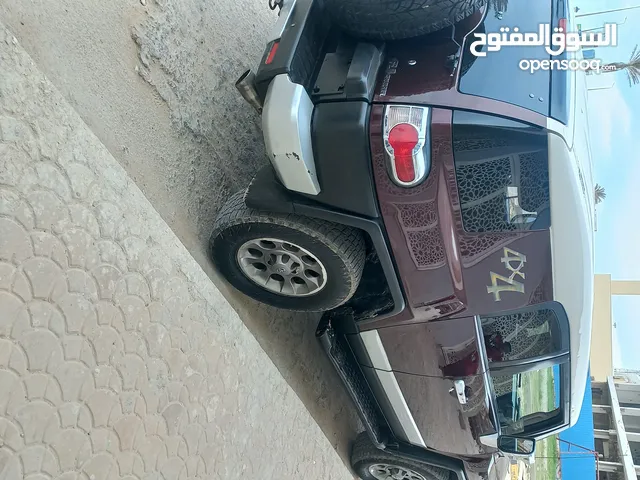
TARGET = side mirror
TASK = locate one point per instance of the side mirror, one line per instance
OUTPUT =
(520, 447)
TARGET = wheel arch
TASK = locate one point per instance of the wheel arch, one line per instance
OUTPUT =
(266, 193)
(363, 448)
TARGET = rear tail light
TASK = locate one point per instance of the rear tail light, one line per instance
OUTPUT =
(562, 23)
(562, 27)
(272, 52)
(405, 137)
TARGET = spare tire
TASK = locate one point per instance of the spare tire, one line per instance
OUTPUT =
(397, 19)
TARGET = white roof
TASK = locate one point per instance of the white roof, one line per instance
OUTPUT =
(572, 234)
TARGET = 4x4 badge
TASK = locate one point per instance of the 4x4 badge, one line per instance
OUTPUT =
(510, 283)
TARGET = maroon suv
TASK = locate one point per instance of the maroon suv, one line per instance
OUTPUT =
(438, 207)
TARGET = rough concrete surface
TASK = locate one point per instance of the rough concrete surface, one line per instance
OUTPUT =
(154, 81)
(119, 359)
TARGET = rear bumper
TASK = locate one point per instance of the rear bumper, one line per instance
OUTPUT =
(316, 132)
(300, 34)
(286, 125)
(311, 76)
(280, 82)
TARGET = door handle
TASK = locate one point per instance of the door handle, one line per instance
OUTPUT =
(460, 390)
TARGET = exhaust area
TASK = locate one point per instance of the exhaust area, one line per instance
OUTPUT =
(245, 85)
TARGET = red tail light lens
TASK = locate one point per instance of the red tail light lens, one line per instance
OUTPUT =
(406, 144)
(403, 139)
(563, 25)
(272, 52)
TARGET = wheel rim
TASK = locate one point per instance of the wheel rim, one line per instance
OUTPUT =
(381, 471)
(282, 267)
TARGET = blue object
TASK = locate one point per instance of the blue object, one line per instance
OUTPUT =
(576, 463)
(589, 54)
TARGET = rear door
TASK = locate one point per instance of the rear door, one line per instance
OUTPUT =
(454, 385)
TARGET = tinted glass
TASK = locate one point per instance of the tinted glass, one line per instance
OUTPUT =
(527, 400)
(498, 75)
(521, 336)
(502, 173)
(561, 80)
(514, 445)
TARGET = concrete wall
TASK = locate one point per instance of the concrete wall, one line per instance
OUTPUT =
(602, 331)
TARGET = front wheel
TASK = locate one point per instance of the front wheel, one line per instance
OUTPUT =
(370, 463)
(286, 260)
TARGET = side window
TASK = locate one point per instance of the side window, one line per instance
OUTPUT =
(527, 401)
(502, 173)
(525, 350)
(522, 335)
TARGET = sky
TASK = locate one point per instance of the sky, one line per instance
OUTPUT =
(614, 117)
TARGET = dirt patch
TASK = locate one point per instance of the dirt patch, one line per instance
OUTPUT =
(192, 52)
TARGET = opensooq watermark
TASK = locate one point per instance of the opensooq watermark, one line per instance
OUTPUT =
(556, 42)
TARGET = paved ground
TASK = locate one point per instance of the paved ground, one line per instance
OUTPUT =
(119, 359)
(153, 79)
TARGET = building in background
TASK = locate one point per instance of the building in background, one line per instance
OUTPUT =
(602, 331)
(616, 421)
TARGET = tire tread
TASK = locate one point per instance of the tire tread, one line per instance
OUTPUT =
(345, 241)
(364, 453)
(398, 19)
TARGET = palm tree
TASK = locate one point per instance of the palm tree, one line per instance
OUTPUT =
(632, 67)
(500, 7)
(600, 193)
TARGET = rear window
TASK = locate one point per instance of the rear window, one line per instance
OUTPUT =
(523, 335)
(498, 75)
(502, 173)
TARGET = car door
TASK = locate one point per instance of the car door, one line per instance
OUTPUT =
(433, 378)
(455, 385)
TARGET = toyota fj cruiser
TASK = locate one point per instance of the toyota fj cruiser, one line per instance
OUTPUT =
(439, 208)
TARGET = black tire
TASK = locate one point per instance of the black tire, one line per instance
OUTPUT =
(339, 248)
(397, 19)
(365, 455)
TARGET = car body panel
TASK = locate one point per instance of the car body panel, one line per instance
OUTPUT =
(573, 250)
(431, 348)
(498, 74)
(445, 424)
(415, 373)
(445, 270)
(416, 71)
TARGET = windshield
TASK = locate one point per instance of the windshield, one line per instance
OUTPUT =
(526, 401)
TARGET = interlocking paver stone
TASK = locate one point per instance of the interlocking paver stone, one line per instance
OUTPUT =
(119, 359)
